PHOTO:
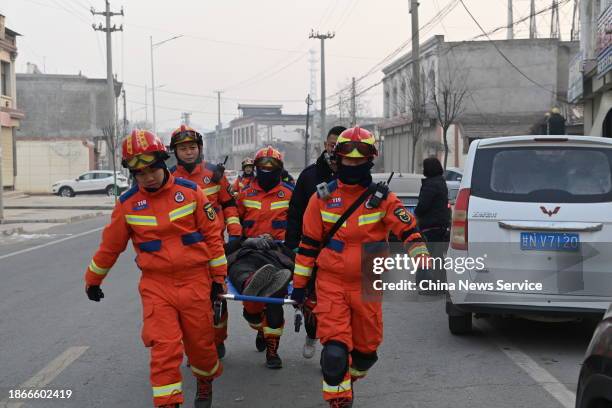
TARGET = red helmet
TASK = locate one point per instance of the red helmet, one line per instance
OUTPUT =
(184, 134)
(268, 157)
(356, 143)
(140, 149)
(247, 162)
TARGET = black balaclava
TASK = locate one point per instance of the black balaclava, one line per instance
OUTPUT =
(268, 179)
(355, 174)
(190, 166)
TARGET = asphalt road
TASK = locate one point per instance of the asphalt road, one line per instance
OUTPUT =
(94, 349)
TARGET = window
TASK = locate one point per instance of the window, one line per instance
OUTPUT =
(100, 176)
(5, 80)
(86, 176)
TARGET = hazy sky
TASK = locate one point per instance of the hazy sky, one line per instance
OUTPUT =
(256, 51)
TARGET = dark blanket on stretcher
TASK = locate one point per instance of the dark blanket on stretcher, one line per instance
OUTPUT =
(244, 261)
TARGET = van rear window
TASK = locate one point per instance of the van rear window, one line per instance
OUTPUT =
(543, 174)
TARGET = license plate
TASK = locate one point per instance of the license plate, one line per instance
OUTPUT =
(550, 241)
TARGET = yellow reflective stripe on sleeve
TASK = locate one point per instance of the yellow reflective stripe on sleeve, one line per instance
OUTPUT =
(302, 270)
(148, 220)
(279, 204)
(206, 373)
(273, 332)
(96, 269)
(371, 218)
(170, 389)
(418, 249)
(222, 260)
(357, 373)
(182, 211)
(232, 220)
(342, 387)
(331, 217)
(252, 204)
(212, 190)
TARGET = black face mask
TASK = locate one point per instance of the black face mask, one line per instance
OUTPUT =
(269, 179)
(356, 174)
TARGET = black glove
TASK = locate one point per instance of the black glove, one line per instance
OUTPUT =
(258, 243)
(298, 295)
(216, 290)
(94, 293)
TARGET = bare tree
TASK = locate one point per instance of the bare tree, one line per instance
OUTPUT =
(417, 103)
(345, 105)
(448, 101)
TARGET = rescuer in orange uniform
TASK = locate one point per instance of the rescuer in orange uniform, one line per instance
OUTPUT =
(263, 209)
(247, 176)
(349, 328)
(187, 145)
(177, 238)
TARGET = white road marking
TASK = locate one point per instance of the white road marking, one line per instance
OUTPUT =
(23, 251)
(538, 373)
(47, 374)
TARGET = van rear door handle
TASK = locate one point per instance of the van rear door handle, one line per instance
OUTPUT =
(551, 226)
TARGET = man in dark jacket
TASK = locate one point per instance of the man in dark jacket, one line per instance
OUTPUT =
(322, 171)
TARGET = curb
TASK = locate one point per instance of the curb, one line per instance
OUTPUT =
(13, 231)
(54, 220)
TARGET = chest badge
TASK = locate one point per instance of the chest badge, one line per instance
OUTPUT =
(281, 194)
(334, 202)
(141, 205)
(179, 197)
(206, 180)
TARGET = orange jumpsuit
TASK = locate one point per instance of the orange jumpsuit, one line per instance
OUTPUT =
(241, 183)
(220, 196)
(177, 238)
(264, 212)
(342, 314)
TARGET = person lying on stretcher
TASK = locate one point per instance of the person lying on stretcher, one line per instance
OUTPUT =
(259, 266)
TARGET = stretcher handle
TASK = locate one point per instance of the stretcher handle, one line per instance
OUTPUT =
(245, 298)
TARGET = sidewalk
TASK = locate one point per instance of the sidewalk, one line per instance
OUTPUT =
(25, 214)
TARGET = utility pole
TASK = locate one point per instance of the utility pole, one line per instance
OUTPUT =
(186, 118)
(125, 121)
(109, 57)
(510, 21)
(146, 106)
(218, 132)
(554, 20)
(533, 30)
(309, 102)
(322, 37)
(416, 57)
(353, 104)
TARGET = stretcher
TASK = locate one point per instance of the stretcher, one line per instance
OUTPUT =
(233, 294)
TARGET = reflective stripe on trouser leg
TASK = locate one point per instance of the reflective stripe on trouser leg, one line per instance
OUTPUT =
(273, 321)
(253, 314)
(342, 390)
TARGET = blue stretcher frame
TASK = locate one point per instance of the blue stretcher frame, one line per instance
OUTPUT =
(233, 294)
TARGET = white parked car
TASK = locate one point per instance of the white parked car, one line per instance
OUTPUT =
(535, 209)
(95, 181)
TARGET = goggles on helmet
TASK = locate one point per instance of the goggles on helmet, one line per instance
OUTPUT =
(141, 161)
(355, 149)
(268, 163)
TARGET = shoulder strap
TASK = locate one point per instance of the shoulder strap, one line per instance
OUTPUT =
(347, 214)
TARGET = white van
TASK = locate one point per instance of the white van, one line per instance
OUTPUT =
(535, 210)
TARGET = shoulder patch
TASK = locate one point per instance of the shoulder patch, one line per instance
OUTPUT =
(172, 169)
(288, 185)
(123, 197)
(402, 215)
(185, 183)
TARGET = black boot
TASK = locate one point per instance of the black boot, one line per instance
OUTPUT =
(203, 394)
(272, 359)
(260, 342)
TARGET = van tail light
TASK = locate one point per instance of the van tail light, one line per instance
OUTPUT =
(459, 231)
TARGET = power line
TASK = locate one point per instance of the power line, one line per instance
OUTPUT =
(504, 55)
(182, 109)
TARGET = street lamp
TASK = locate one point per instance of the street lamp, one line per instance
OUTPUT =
(153, 74)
